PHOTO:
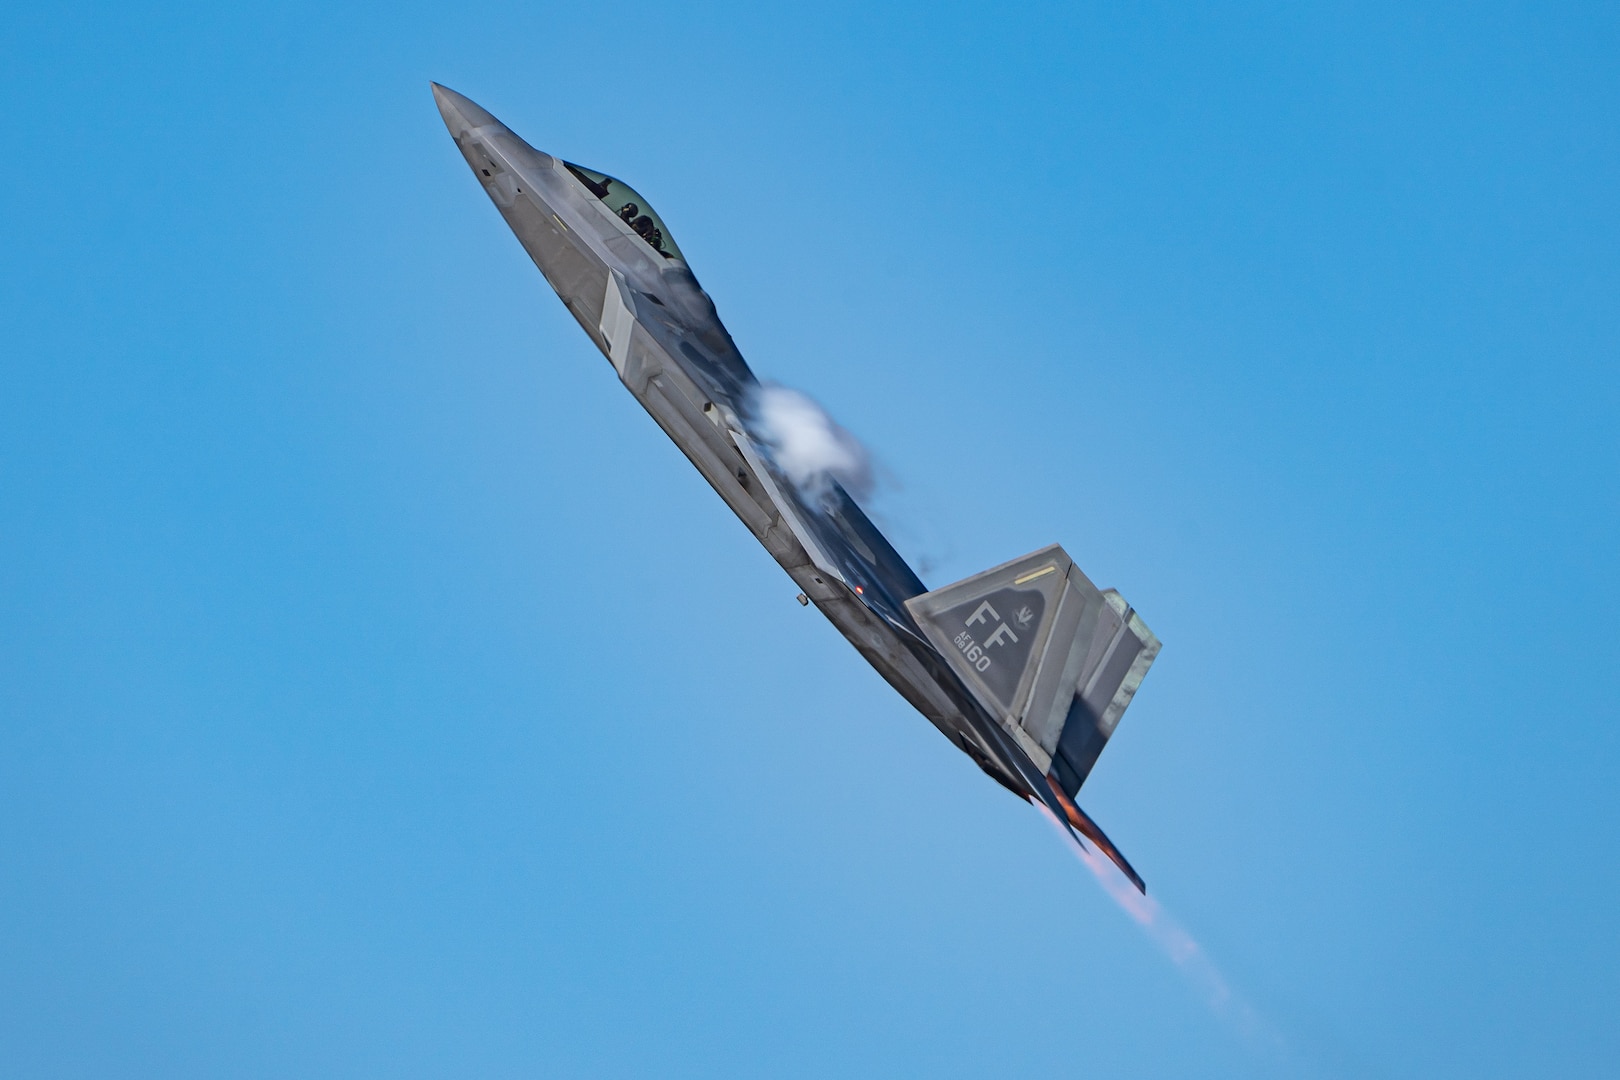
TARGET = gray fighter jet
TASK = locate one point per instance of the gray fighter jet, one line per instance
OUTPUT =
(1026, 667)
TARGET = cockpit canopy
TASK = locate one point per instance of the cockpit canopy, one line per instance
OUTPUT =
(624, 201)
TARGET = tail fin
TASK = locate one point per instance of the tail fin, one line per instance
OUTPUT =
(1054, 658)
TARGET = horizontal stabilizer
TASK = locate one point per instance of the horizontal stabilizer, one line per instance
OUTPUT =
(1083, 824)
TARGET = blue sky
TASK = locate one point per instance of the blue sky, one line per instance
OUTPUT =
(382, 693)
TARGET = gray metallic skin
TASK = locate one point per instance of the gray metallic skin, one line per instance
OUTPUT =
(649, 316)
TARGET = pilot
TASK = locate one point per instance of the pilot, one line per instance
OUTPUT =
(649, 232)
(629, 211)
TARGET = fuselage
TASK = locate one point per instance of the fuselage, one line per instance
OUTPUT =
(636, 298)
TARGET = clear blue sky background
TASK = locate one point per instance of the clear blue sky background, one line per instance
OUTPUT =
(381, 694)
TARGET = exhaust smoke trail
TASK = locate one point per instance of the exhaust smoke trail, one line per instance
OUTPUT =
(1177, 944)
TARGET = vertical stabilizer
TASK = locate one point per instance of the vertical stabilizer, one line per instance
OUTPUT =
(1054, 659)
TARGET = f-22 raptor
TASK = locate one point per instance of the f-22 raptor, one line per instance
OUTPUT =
(1026, 667)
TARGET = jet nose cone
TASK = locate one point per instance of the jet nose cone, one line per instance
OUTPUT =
(460, 113)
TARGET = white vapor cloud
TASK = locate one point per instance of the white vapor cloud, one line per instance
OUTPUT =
(809, 446)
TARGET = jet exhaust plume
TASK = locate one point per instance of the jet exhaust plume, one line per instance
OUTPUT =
(808, 445)
(1173, 940)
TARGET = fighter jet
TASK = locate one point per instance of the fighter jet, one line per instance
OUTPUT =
(1026, 667)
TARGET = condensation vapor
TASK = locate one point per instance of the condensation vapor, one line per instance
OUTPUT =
(812, 450)
(809, 446)
(1177, 944)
